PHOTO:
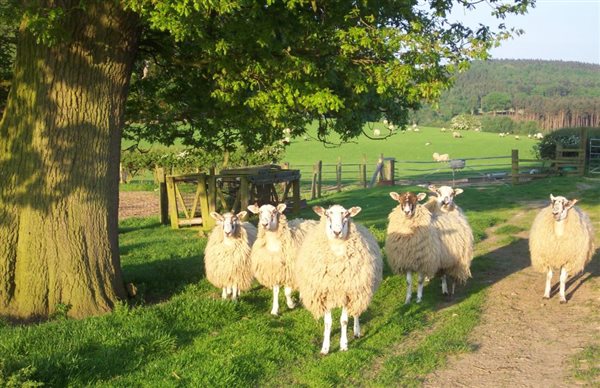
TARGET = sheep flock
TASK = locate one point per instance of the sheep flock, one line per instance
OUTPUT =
(335, 262)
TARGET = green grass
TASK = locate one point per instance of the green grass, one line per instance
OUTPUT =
(586, 366)
(179, 333)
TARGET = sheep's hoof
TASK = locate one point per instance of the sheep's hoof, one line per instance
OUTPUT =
(324, 352)
(356, 335)
(445, 293)
(344, 348)
(418, 300)
(563, 301)
(274, 313)
(545, 297)
(291, 305)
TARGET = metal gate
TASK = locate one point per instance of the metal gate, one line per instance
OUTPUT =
(594, 157)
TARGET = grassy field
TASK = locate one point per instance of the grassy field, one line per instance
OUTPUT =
(177, 332)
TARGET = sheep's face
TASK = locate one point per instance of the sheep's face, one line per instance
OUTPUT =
(337, 220)
(230, 222)
(445, 195)
(560, 207)
(408, 202)
(268, 215)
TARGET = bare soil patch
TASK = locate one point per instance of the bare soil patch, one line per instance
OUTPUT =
(138, 204)
(524, 340)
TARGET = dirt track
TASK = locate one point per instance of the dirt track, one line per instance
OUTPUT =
(138, 204)
(524, 340)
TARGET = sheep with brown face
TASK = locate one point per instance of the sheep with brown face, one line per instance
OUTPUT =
(456, 236)
(412, 243)
(561, 239)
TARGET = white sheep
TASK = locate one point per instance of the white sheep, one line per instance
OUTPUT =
(517, 137)
(412, 243)
(275, 249)
(456, 135)
(539, 136)
(441, 158)
(456, 236)
(227, 254)
(501, 134)
(376, 132)
(339, 265)
(561, 238)
(443, 129)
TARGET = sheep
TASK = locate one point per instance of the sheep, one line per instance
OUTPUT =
(539, 136)
(456, 236)
(443, 129)
(227, 254)
(376, 132)
(339, 265)
(412, 243)
(501, 134)
(517, 137)
(561, 238)
(428, 143)
(440, 158)
(456, 135)
(275, 249)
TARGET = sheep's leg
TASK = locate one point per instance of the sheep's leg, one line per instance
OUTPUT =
(275, 308)
(356, 327)
(234, 292)
(453, 286)
(224, 293)
(228, 291)
(563, 280)
(408, 287)
(344, 335)
(327, 332)
(288, 297)
(444, 285)
(420, 287)
(548, 284)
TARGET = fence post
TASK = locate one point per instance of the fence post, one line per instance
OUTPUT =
(362, 172)
(319, 177)
(173, 214)
(244, 193)
(313, 184)
(338, 174)
(162, 195)
(515, 167)
(393, 171)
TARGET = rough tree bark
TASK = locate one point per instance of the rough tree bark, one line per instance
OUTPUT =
(59, 166)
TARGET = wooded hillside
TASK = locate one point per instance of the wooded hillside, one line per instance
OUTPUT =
(555, 94)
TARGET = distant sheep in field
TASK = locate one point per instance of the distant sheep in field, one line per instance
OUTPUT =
(376, 132)
(501, 134)
(443, 129)
(274, 252)
(455, 234)
(339, 265)
(412, 242)
(539, 136)
(227, 254)
(428, 143)
(517, 137)
(561, 239)
(441, 158)
(456, 135)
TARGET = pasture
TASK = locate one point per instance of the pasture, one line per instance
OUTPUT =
(177, 331)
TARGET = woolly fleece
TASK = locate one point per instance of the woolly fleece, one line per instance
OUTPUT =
(573, 250)
(327, 280)
(227, 260)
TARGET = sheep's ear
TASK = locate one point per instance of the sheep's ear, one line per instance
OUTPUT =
(458, 191)
(421, 196)
(216, 216)
(319, 210)
(395, 196)
(353, 211)
(552, 198)
(281, 207)
(241, 215)
(432, 188)
(571, 203)
(254, 209)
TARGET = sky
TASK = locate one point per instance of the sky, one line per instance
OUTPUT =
(567, 30)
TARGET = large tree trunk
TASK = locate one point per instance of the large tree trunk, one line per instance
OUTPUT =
(59, 166)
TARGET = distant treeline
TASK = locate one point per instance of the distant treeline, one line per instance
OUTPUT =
(554, 94)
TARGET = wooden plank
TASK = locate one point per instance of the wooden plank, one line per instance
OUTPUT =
(162, 195)
(338, 174)
(244, 193)
(173, 213)
(212, 193)
(191, 221)
(182, 201)
(319, 178)
(208, 222)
